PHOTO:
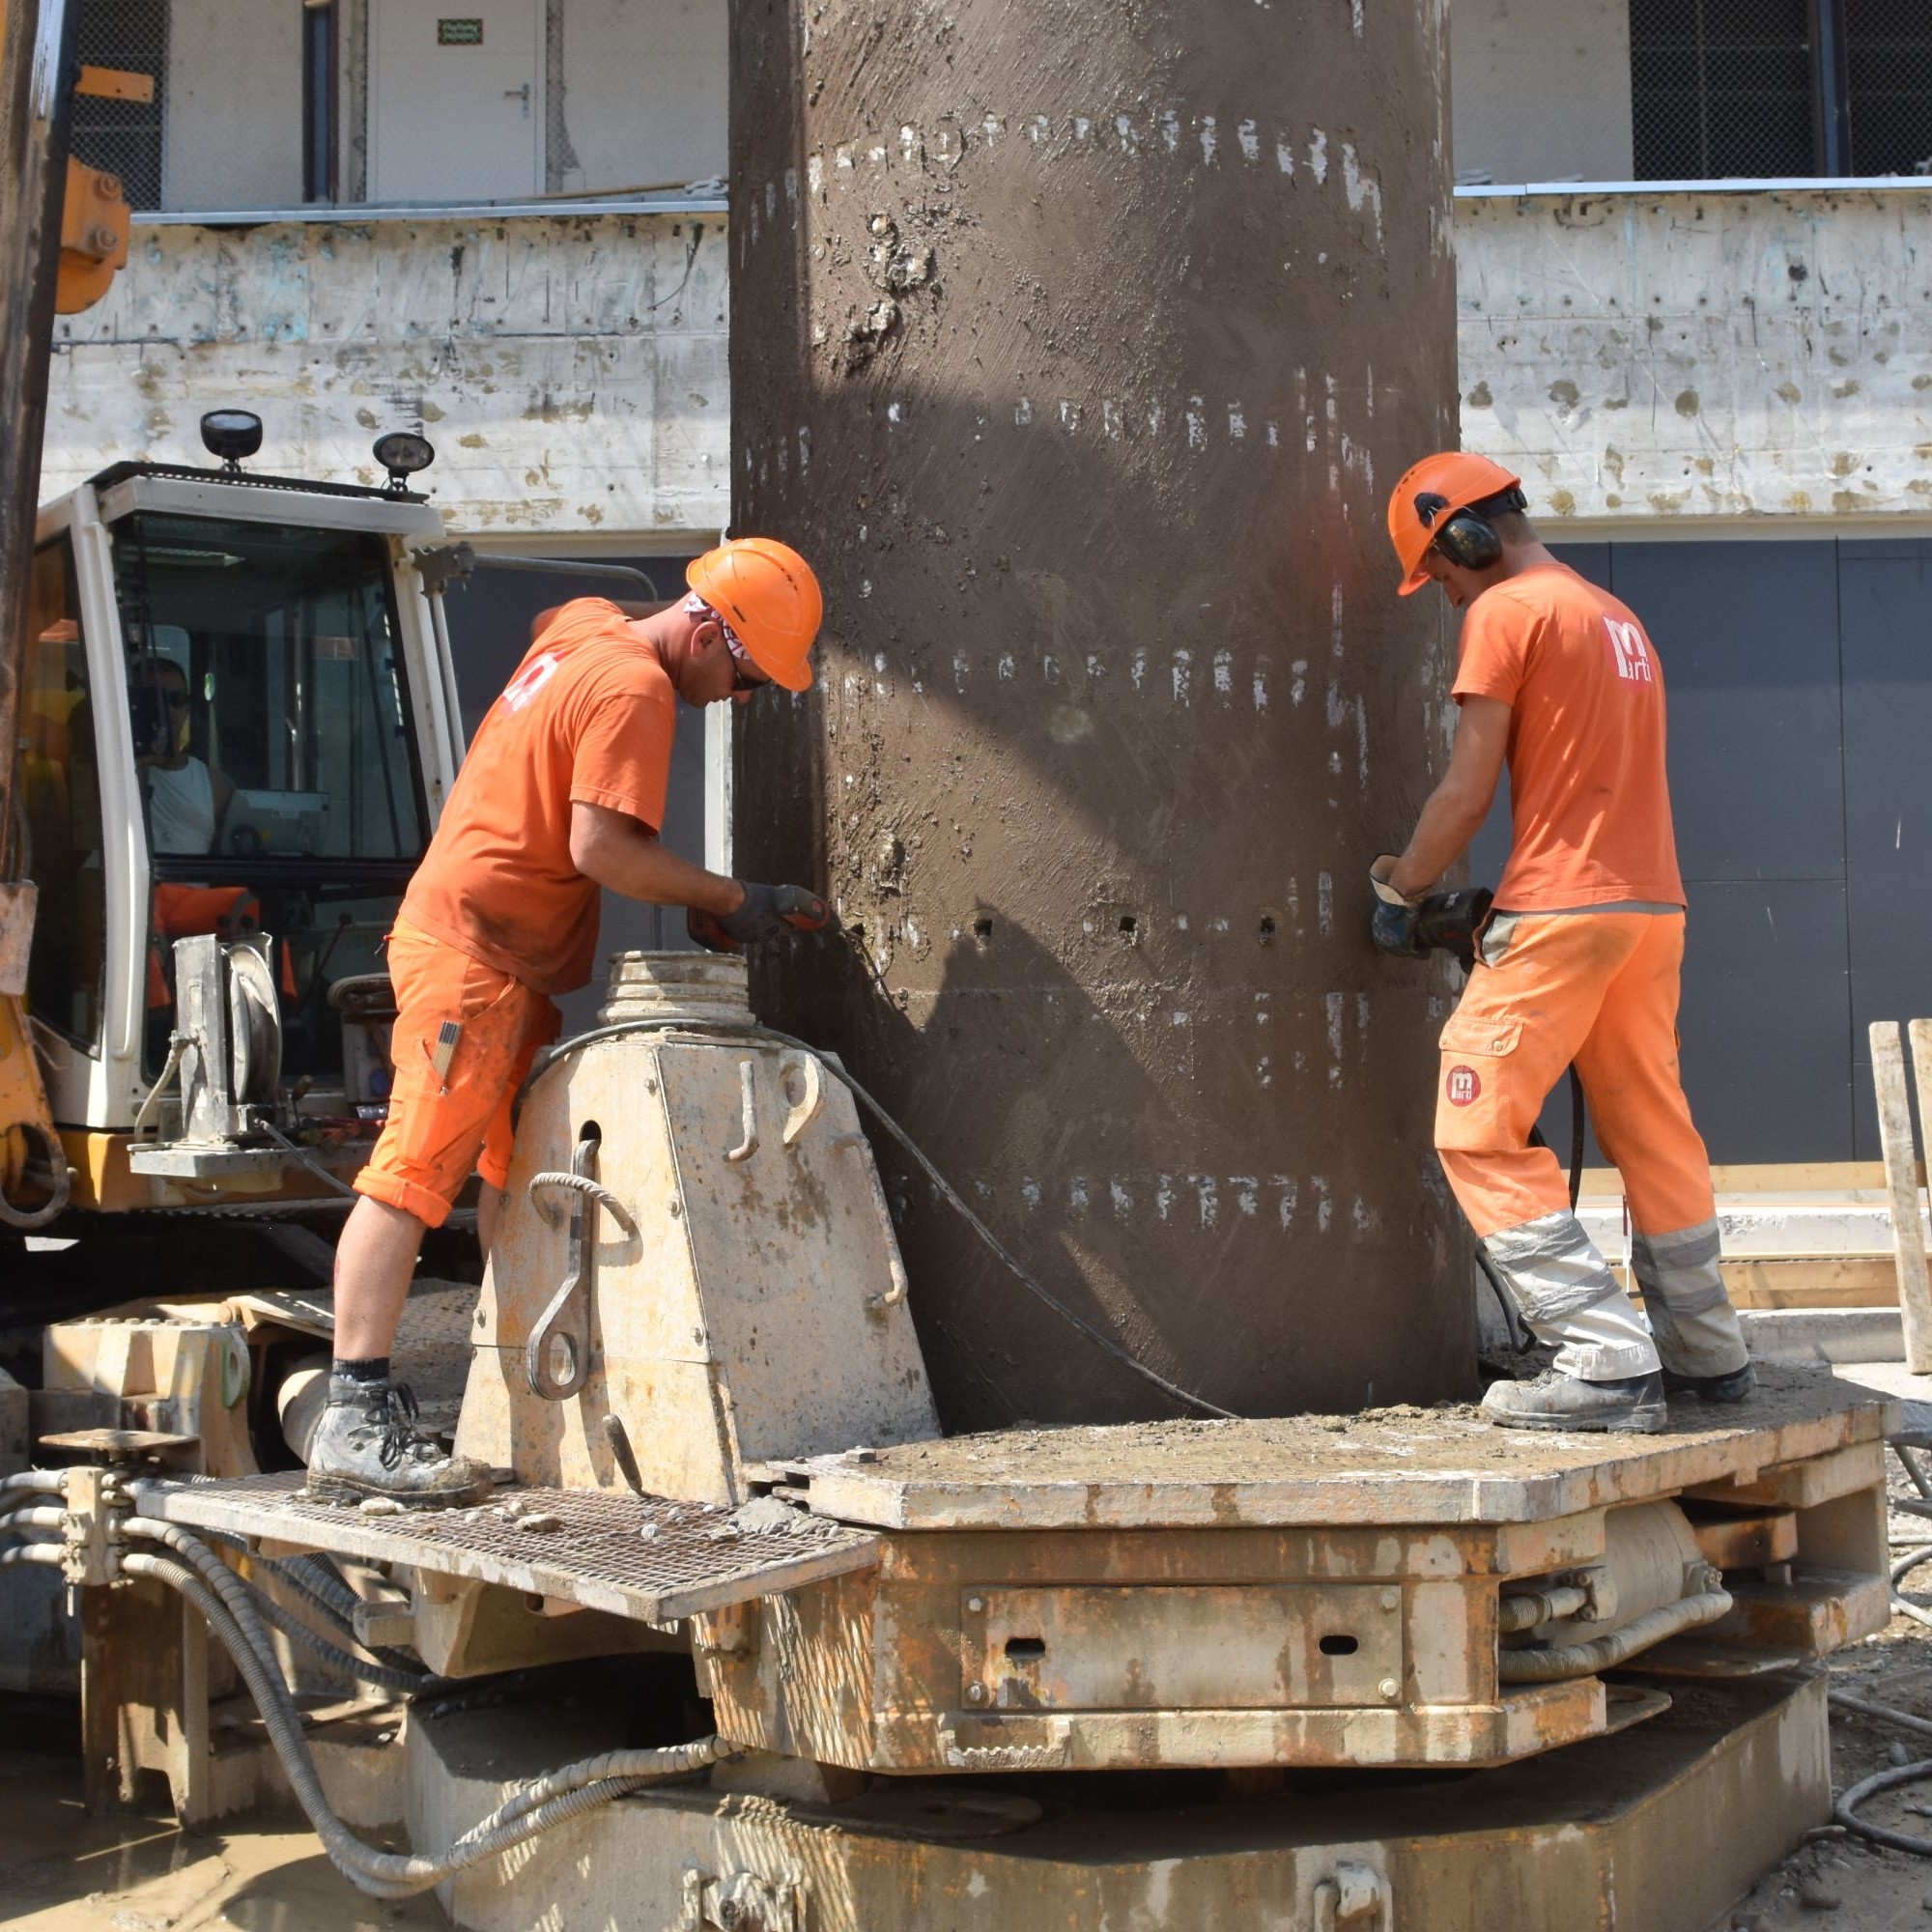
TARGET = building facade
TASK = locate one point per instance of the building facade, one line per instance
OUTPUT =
(1694, 317)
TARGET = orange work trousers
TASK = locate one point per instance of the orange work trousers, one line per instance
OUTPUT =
(1599, 990)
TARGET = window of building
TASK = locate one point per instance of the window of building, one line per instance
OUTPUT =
(1720, 87)
(1781, 88)
(1887, 97)
(125, 138)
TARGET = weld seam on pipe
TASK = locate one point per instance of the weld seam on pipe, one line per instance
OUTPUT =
(1606, 1652)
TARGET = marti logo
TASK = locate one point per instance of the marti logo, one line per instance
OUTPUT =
(1631, 651)
(1463, 1086)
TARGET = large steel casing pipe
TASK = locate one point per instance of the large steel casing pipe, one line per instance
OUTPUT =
(1078, 345)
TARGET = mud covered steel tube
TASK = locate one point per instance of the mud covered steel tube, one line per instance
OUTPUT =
(1606, 1652)
(1077, 348)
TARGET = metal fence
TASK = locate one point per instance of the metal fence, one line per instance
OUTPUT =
(1889, 74)
(1722, 87)
(124, 137)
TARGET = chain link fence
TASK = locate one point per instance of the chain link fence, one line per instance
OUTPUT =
(124, 137)
(1720, 87)
(1888, 68)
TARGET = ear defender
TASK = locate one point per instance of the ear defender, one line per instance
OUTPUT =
(1469, 540)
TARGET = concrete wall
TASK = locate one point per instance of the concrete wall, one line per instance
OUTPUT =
(1687, 356)
(571, 372)
(646, 95)
(233, 106)
(1542, 89)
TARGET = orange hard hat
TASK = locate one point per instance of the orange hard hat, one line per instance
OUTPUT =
(1435, 488)
(771, 599)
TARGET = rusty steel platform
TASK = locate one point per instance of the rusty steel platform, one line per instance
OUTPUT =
(1404, 1466)
(644, 1558)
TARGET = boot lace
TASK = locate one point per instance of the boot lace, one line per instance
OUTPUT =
(392, 1410)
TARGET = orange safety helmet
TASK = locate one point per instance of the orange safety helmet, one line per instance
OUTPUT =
(770, 597)
(1432, 489)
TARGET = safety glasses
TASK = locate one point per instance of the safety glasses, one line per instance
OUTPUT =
(745, 677)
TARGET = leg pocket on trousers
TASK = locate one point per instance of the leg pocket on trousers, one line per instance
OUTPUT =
(1471, 1110)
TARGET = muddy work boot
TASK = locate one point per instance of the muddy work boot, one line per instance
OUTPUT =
(368, 1444)
(1556, 1401)
(1731, 1387)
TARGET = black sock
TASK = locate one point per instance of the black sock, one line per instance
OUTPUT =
(368, 1369)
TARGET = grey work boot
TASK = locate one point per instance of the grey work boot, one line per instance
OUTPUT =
(1731, 1387)
(368, 1444)
(1556, 1401)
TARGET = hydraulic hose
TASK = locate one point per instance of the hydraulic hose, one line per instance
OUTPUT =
(1539, 1607)
(48, 1553)
(564, 1794)
(702, 1034)
(31, 1482)
(251, 1607)
(39, 1517)
(1604, 1653)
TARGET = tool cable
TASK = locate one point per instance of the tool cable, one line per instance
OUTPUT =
(701, 1033)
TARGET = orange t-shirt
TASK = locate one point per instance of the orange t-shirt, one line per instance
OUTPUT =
(590, 715)
(1590, 797)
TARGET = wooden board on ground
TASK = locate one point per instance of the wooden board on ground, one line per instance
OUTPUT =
(1894, 1128)
(1813, 1281)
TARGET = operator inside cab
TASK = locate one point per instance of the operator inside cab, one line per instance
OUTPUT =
(562, 793)
(185, 798)
(1578, 963)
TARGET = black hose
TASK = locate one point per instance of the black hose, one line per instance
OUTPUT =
(1578, 1128)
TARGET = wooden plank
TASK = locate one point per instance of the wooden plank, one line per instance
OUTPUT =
(1894, 1127)
(1834, 1281)
(1803, 1177)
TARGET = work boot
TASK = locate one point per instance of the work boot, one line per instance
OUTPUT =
(368, 1444)
(1556, 1401)
(1731, 1387)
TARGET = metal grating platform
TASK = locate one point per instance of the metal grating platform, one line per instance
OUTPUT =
(598, 1553)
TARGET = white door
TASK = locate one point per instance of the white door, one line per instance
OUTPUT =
(456, 109)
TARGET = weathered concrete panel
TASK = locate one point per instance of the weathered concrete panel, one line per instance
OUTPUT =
(647, 91)
(1688, 356)
(233, 106)
(571, 372)
(1542, 89)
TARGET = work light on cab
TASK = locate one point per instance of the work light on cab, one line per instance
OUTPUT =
(230, 434)
(402, 453)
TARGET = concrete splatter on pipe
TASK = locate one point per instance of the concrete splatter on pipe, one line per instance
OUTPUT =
(1086, 412)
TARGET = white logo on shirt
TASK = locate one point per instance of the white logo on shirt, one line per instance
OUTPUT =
(530, 680)
(1630, 649)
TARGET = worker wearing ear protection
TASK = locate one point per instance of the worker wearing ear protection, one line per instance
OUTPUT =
(1578, 963)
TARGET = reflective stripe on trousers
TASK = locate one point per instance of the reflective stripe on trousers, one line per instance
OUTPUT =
(1691, 1315)
(1566, 1293)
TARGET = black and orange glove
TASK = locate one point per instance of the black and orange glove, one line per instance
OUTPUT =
(769, 912)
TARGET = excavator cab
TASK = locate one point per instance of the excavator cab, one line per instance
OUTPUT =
(239, 725)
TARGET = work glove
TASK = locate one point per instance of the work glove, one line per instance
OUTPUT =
(1394, 924)
(769, 912)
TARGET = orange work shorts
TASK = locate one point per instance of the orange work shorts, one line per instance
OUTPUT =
(449, 1108)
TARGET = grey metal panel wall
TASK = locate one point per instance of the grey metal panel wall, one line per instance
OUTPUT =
(1885, 612)
(1749, 638)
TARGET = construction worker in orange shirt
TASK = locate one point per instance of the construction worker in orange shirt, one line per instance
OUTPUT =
(1577, 964)
(562, 793)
